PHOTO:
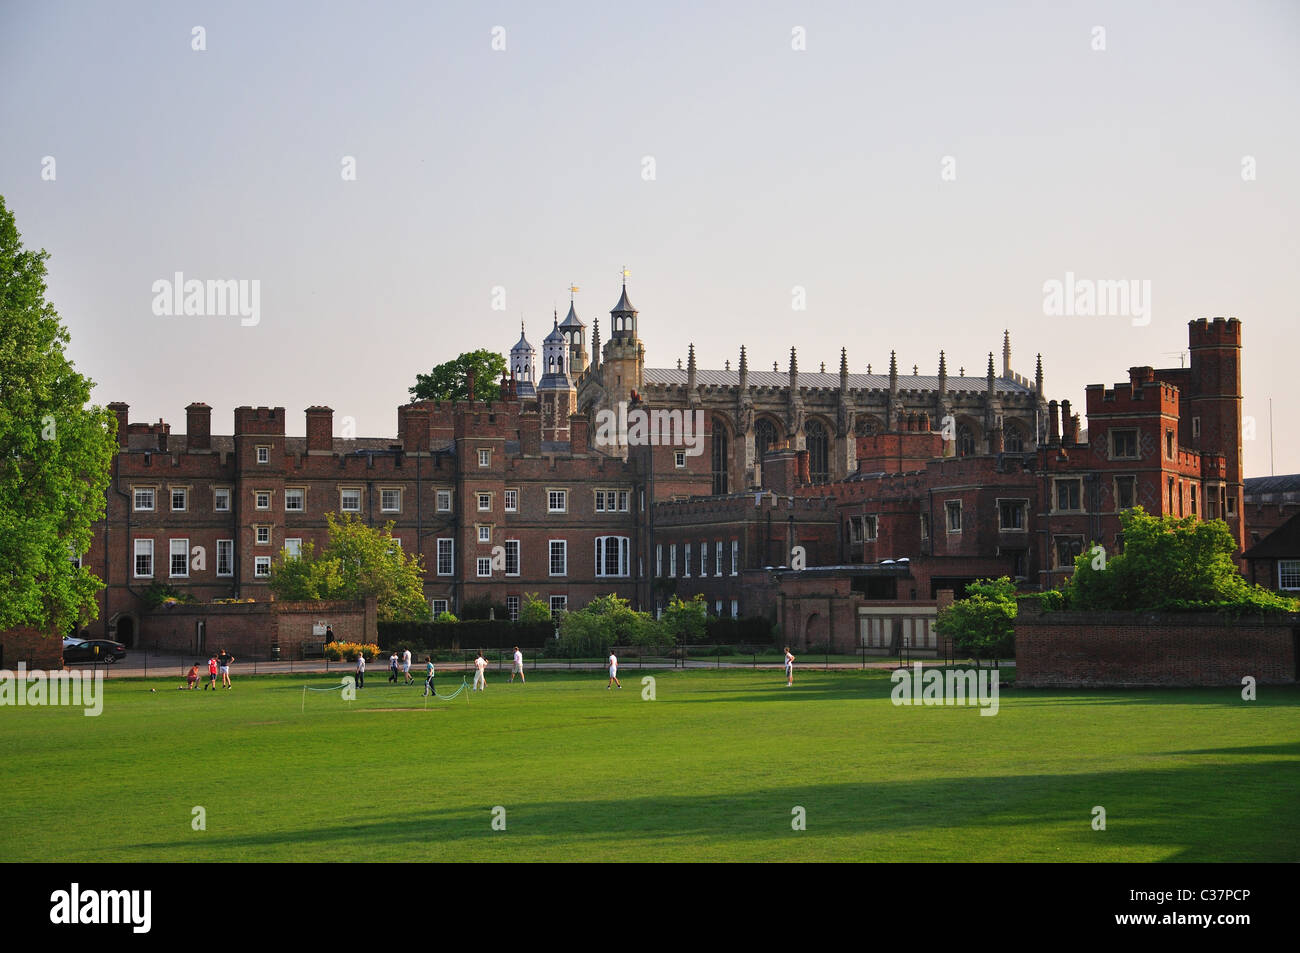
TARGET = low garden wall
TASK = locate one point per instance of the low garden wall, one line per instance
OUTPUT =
(1141, 649)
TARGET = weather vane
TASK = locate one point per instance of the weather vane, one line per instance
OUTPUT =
(573, 289)
(625, 273)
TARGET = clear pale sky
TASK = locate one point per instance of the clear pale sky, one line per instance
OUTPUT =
(773, 168)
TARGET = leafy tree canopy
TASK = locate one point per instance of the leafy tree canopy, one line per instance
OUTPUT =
(534, 609)
(1169, 563)
(686, 621)
(983, 624)
(359, 561)
(450, 381)
(56, 452)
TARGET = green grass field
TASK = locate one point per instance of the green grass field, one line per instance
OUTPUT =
(709, 770)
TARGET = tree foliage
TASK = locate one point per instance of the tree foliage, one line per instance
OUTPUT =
(56, 451)
(450, 381)
(603, 622)
(534, 609)
(983, 624)
(1169, 563)
(687, 622)
(359, 561)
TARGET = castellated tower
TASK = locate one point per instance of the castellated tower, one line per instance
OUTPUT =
(555, 391)
(623, 360)
(1213, 407)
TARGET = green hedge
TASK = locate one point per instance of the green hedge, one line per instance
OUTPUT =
(748, 630)
(472, 634)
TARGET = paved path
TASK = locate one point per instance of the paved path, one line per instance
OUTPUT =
(149, 665)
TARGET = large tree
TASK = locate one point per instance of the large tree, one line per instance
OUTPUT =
(358, 561)
(56, 451)
(450, 381)
(982, 625)
(1173, 563)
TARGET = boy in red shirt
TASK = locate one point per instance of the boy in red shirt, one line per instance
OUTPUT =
(212, 674)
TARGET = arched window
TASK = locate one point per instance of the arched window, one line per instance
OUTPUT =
(867, 426)
(818, 451)
(764, 437)
(1015, 439)
(721, 457)
(965, 441)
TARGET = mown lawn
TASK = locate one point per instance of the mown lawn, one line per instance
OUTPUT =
(712, 769)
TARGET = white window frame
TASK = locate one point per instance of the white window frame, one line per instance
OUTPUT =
(735, 557)
(229, 546)
(717, 558)
(261, 567)
(686, 560)
(512, 608)
(343, 498)
(218, 494)
(293, 548)
(184, 492)
(624, 500)
(263, 454)
(297, 493)
(258, 529)
(450, 553)
(383, 505)
(679, 459)
(136, 492)
(512, 501)
(480, 496)
(434, 606)
(563, 605)
(599, 505)
(1285, 568)
(672, 560)
(518, 556)
(484, 564)
(623, 545)
(704, 559)
(551, 499)
(171, 558)
(258, 496)
(659, 560)
(484, 457)
(143, 548)
(564, 557)
(870, 528)
(443, 496)
(485, 534)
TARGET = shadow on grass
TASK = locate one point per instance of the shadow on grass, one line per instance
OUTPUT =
(1201, 812)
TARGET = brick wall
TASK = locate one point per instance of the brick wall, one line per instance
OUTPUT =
(1125, 649)
(38, 650)
(248, 630)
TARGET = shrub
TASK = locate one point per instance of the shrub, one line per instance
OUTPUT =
(984, 623)
(348, 651)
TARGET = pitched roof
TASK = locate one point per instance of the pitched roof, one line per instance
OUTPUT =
(714, 378)
(1282, 543)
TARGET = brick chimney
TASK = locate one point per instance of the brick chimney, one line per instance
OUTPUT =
(579, 433)
(198, 426)
(119, 410)
(1139, 377)
(469, 383)
(320, 429)
(530, 435)
(161, 431)
(1053, 423)
(780, 471)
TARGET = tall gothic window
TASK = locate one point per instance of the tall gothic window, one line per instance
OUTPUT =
(818, 451)
(965, 441)
(764, 437)
(1015, 439)
(721, 457)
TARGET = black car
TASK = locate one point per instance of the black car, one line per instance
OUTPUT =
(94, 650)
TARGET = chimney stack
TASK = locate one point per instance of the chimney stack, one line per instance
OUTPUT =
(198, 426)
(320, 429)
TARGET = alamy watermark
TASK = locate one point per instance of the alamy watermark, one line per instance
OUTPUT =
(651, 428)
(953, 686)
(39, 688)
(1088, 298)
(191, 297)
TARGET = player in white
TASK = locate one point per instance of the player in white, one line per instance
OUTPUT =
(789, 667)
(406, 666)
(518, 667)
(480, 666)
(613, 672)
